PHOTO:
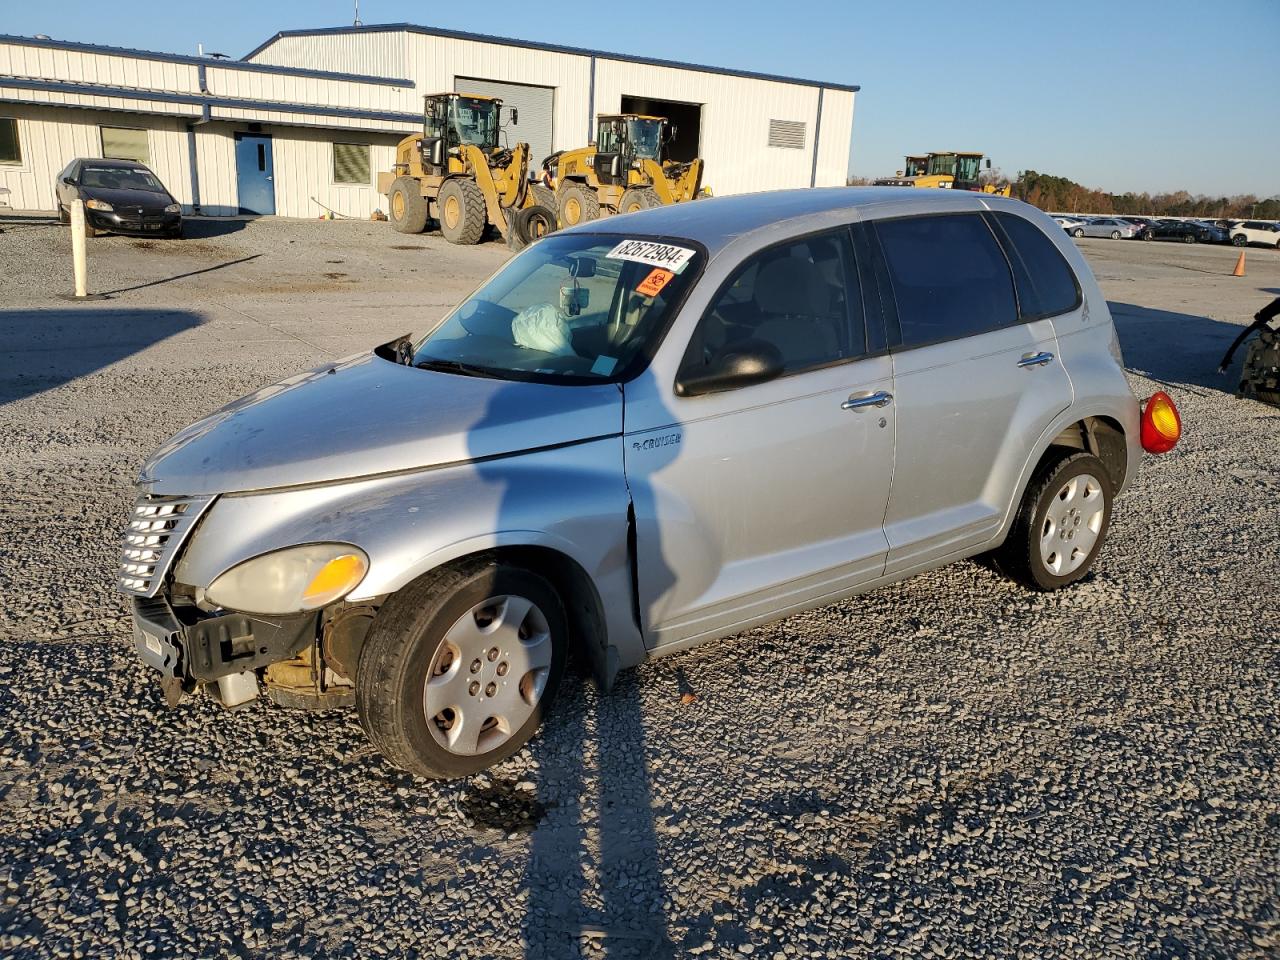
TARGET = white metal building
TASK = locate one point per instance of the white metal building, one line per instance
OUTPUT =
(308, 119)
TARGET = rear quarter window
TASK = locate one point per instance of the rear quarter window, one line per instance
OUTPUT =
(1045, 281)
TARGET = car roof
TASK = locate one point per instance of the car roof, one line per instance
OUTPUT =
(715, 222)
(104, 162)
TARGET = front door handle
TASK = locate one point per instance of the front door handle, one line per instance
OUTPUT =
(1036, 359)
(877, 399)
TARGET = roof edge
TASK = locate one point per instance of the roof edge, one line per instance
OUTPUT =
(550, 48)
(209, 62)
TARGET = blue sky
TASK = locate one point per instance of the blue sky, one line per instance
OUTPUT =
(1116, 94)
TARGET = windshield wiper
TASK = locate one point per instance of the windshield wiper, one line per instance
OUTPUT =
(456, 366)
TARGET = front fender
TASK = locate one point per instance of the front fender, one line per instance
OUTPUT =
(570, 499)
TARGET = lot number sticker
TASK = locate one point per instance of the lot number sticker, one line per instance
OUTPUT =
(655, 254)
(652, 285)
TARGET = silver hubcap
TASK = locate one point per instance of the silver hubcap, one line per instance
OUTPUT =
(1072, 524)
(488, 675)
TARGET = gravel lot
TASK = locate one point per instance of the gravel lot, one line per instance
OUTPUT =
(946, 768)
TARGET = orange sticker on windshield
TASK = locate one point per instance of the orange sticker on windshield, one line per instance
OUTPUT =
(652, 285)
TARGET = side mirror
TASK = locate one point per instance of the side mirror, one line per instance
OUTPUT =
(515, 116)
(988, 163)
(739, 365)
(69, 181)
(672, 132)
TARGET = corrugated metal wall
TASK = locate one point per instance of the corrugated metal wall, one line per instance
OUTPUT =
(304, 173)
(51, 137)
(373, 54)
(536, 106)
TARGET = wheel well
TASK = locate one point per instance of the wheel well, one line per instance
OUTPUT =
(1101, 436)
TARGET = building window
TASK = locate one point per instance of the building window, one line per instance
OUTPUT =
(351, 163)
(125, 143)
(786, 133)
(10, 148)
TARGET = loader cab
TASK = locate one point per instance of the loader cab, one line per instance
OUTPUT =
(451, 120)
(622, 139)
(914, 166)
(963, 168)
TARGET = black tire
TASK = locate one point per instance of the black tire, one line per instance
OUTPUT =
(1148, 235)
(1115, 234)
(638, 198)
(1239, 240)
(576, 203)
(1189, 238)
(1019, 557)
(90, 232)
(63, 215)
(530, 224)
(462, 212)
(543, 196)
(407, 208)
(176, 233)
(1077, 232)
(401, 649)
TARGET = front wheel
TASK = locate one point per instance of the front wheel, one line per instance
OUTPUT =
(1189, 238)
(639, 198)
(1239, 240)
(1077, 232)
(1061, 524)
(1115, 234)
(463, 214)
(460, 667)
(1148, 235)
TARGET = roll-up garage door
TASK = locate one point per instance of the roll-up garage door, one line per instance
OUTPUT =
(536, 106)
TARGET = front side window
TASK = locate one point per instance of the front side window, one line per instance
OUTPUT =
(120, 178)
(10, 148)
(125, 143)
(608, 138)
(1045, 282)
(949, 277)
(577, 308)
(801, 298)
(967, 169)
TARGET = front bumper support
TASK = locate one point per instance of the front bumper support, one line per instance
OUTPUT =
(217, 646)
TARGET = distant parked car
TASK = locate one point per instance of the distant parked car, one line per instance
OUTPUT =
(1112, 227)
(120, 196)
(1188, 231)
(1073, 225)
(1255, 231)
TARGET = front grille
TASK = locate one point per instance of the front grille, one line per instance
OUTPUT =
(155, 534)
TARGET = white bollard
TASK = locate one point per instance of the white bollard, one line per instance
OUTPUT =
(78, 248)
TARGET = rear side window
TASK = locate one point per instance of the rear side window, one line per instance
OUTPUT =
(1046, 284)
(801, 297)
(950, 278)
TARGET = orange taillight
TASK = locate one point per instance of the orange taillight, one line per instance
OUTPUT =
(1161, 425)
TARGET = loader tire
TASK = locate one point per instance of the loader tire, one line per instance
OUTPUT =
(577, 203)
(462, 211)
(407, 207)
(638, 198)
(530, 224)
(543, 196)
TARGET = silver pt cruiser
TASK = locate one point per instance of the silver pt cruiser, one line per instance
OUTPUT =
(640, 434)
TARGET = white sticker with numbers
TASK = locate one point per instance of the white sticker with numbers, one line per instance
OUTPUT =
(655, 254)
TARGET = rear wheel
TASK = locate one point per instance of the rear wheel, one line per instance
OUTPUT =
(577, 203)
(407, 206)
(1061, 523)
(462, 211)
(460, 667)
(1189, 238)
(543, 195)
(1148, 235)
(1115, 234)
(638, 198)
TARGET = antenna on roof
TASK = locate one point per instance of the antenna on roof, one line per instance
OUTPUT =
(357, 21)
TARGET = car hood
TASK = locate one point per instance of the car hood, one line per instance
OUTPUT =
(146, 199)
(365, 416)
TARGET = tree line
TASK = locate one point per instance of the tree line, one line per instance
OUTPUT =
(1061, 195)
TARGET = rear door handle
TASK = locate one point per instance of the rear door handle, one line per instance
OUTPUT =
(877, 399)
(1036, 359)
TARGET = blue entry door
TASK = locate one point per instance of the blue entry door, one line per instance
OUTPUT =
(254, 174)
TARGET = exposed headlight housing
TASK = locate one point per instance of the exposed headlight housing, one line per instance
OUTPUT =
(173, 208)
(99, 205)
(292, 580)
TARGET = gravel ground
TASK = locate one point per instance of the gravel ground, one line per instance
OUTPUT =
(949, 767)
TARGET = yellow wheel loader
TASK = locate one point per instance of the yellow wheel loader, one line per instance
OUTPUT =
(952, 170)
(622, 172)
(457, 171)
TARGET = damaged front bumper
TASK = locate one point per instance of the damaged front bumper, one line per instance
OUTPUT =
(189, 648)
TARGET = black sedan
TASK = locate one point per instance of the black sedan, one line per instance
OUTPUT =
(120, 196)
(1188, 231)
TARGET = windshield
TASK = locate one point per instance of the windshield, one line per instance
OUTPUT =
(942, 164)
(474, 121)
(120, 178)
(578, 308)
(646, 137)
(967, 169)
